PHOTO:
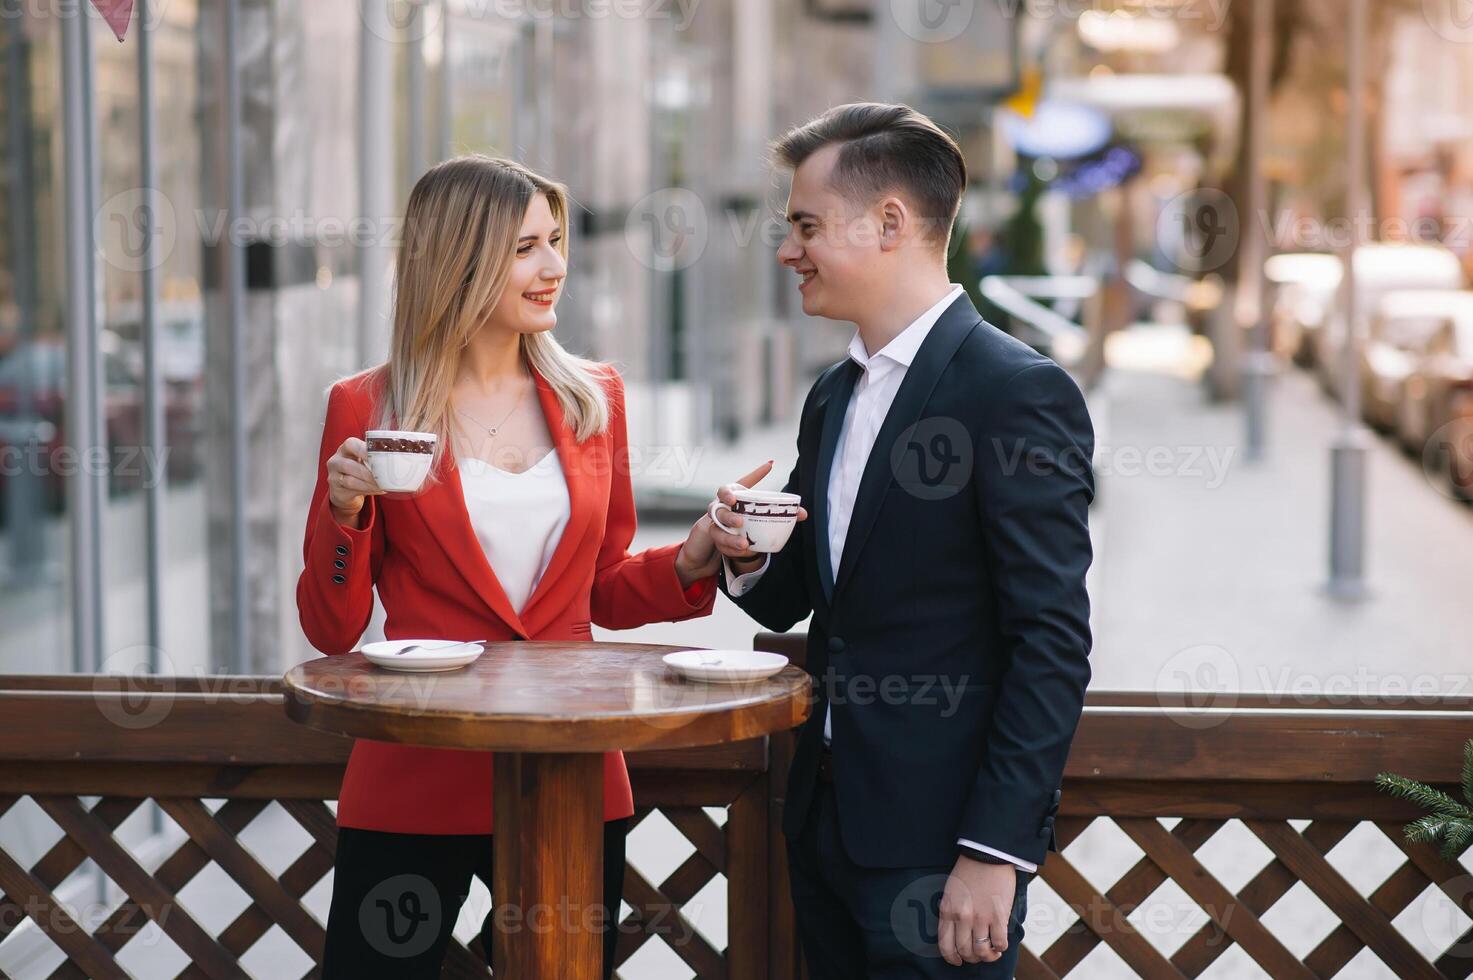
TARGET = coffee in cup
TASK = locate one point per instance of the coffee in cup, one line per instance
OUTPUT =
(400, 460)
(768, 517)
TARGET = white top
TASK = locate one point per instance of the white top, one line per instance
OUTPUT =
(874, 393)
(518, 519)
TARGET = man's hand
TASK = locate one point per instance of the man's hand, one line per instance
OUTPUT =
(977, 903)
(734, 545)
(700, 555)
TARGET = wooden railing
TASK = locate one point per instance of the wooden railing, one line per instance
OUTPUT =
(1295, 778)
(185, 743)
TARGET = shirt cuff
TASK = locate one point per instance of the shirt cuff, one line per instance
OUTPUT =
(1028, 866)
(740, 585)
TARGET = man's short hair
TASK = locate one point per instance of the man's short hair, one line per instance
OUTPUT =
(885, 148)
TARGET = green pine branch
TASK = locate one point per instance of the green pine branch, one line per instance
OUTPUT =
(1448, 822)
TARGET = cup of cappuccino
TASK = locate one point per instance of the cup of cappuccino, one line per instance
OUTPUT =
(400, 460)
(768, 517)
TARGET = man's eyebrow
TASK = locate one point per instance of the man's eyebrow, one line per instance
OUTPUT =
(797, 216)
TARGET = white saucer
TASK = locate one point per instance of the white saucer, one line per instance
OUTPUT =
(725, 666)
(431, 655)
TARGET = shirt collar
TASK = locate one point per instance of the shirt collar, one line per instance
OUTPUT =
(902, 349)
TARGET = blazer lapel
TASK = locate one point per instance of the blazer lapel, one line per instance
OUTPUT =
(910, 400)
(577, 471)
(444, 513)
(445, 508)
(841, 388)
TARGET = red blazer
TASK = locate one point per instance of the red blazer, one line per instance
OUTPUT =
(434, 581)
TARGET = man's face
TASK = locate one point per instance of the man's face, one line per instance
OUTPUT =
(832, 243)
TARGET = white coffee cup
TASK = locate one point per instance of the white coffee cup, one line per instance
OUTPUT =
(400, 460)
(768, 517)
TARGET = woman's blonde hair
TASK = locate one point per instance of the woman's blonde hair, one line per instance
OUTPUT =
(461, 228)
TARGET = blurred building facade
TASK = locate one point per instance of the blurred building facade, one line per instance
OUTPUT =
(656, 116)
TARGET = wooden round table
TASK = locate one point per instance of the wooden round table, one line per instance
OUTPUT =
(548, 710)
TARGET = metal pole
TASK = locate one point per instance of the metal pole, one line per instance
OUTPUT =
(82, 389)
(446, 134)
(1348, 454)
(415, 85)
(1259, 366)
(375, 174)
(233, 255)
(24, 491)
(154, 436)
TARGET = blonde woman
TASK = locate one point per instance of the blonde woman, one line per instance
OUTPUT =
(522, 533)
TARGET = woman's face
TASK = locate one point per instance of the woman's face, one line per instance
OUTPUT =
(529, 303)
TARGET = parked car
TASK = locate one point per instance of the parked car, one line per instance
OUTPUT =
(1380, 269)
(1399, 336)
(33, 379)
(1435, 417)
(1304, 285)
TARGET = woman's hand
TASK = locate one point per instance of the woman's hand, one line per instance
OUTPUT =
(350, 481)
(706, 543)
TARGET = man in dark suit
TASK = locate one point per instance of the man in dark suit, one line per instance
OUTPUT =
(947, 469)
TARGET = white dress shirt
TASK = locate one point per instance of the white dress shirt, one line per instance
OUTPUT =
(874, 393)
(518, 519)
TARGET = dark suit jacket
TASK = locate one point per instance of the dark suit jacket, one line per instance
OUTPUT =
(953, 639)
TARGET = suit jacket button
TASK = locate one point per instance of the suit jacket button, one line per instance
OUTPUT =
(836, 645)
(338, 580)
(342, 549)
(339, 563)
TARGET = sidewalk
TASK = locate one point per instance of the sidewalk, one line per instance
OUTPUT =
(1212, 567)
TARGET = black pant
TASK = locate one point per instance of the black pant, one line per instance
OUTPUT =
(396, 898)
(876, 923)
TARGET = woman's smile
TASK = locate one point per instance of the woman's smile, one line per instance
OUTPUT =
(544, 297)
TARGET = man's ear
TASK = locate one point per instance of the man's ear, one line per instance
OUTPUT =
(895, 223)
